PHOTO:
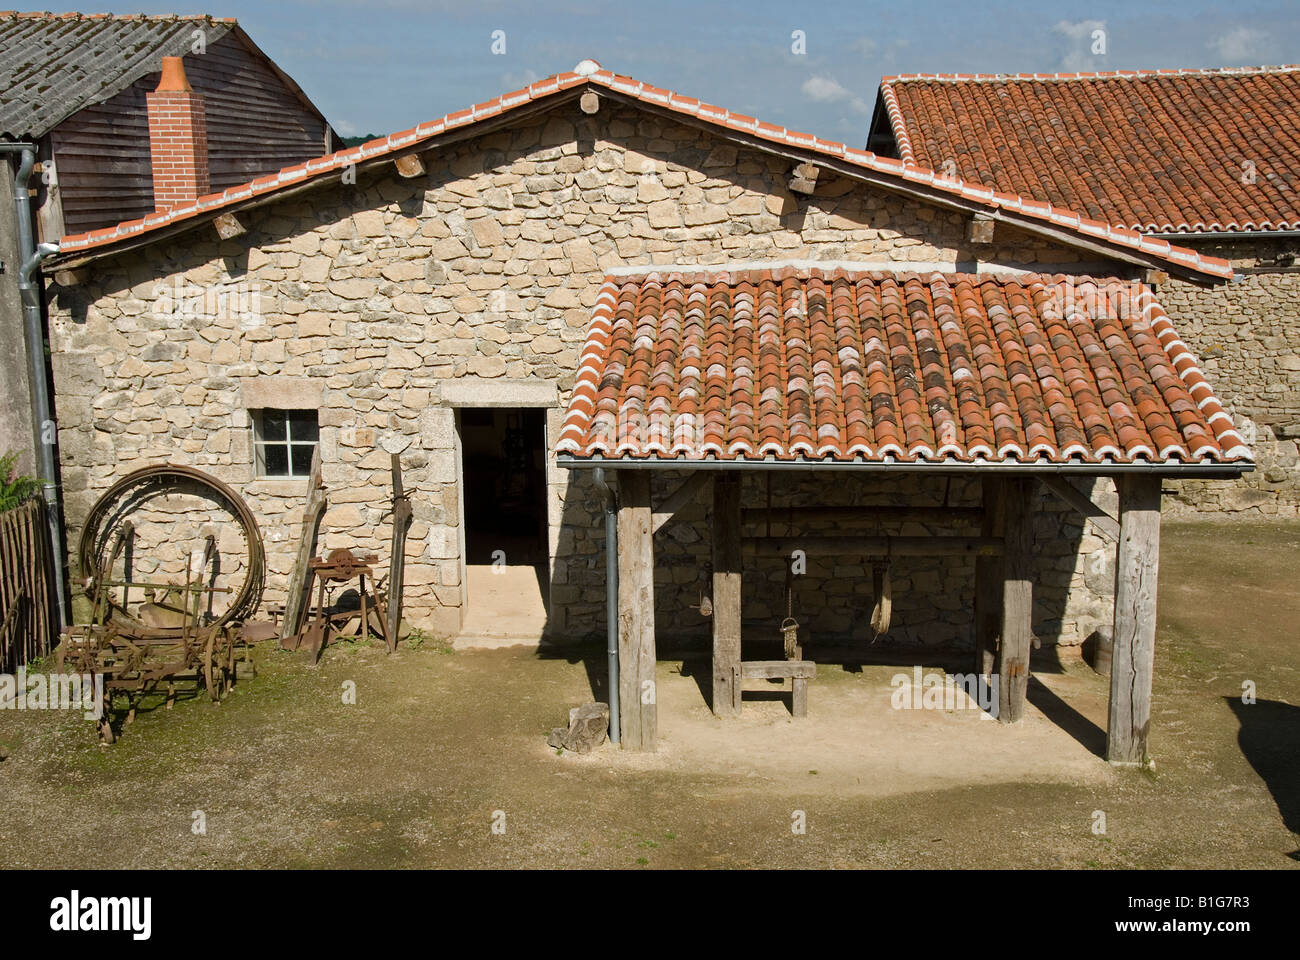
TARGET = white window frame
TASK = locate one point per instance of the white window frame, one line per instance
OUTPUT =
(261, 442)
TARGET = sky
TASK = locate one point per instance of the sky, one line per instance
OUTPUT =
(377, 66)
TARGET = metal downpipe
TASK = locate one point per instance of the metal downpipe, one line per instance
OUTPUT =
(30, 290)
(611, 598)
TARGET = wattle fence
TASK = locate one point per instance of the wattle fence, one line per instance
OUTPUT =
(28, 624)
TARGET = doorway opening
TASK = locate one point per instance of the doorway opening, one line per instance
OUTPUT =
(503, 464)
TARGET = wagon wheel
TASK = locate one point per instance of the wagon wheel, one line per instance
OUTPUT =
(153, 488)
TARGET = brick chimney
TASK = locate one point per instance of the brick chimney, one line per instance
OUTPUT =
(178, 138)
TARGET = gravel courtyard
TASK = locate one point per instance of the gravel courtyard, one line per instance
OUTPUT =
(440, 746)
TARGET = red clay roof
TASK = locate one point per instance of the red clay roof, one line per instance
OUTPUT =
(1184, 151)
(589, 72)
(832, 365)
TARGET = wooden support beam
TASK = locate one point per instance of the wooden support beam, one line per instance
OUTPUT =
(779, 515)
(1154, 278)
(636, 612)
(803, 178)
(589, 102)
(1101, 521)
(726, 595)
(856, 546)
(981, 229)
(410, 165)
(680, 500)
(988, 582)
(228, 226)
(298, 598)
(72, 278)
(1133, 647)
(1017, 635)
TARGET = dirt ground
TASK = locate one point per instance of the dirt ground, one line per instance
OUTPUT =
(439, 746)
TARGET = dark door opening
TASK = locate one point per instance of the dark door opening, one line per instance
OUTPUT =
(504, 457)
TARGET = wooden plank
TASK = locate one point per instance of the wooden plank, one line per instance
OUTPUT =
(1133, 650)
(680, 499)
(1106, 525)
(636, 613)
(988, 581)
(402, 514)
(851, 546)
(726, 594)
(799, 697)
(778, 669)
(298, 599)
(1017, 600)
(780, 515)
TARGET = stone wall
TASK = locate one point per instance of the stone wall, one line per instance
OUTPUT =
(1247, 337)
(369, 301)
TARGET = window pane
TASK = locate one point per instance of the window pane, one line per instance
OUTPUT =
(302, 459)
(274, 425)
(276, 458)
(303, 426)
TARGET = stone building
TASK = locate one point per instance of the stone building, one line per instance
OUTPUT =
(1207, 159)
(429, 294)
(81, 90)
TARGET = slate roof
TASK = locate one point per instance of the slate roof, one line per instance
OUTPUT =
(837, 366)
(52, 65)
(1185, 151)
(1018, 210)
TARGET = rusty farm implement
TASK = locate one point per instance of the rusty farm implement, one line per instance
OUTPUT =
(157, 552)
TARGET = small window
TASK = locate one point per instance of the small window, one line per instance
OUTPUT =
(285, 441)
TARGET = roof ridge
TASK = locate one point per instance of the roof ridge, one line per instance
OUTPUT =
(76, 15)
(909, 172)
(1139, 74)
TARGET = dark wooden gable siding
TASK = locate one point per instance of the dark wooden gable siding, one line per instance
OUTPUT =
(256, 125)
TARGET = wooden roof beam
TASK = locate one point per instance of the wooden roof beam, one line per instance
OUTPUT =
(803, 178)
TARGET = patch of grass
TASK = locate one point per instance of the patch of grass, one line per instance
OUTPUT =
(15, 490)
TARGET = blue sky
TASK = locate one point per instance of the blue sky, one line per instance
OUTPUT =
(383, 65)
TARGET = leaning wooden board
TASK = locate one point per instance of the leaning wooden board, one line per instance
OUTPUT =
(299, 596)
(397, 555)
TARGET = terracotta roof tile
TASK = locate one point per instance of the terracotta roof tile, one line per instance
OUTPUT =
(1122, 239)
(1183, 151)
(864, 366)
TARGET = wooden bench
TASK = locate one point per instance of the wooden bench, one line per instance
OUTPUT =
(798, 671)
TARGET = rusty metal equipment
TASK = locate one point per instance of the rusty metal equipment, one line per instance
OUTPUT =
(340, 567)
(379, 600)
(174, 633)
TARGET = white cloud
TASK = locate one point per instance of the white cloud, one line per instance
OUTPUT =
(1082, 37)
(1241, 43)
(825, 89)
(517, 81)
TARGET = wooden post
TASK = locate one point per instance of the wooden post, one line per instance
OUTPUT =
(1133, 649)
(988, 582)
(636, 612)
(726, 595)
(1017, 599)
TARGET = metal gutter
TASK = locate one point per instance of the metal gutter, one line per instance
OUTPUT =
(1207, 470)
(1230, 235)
(31, 288)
